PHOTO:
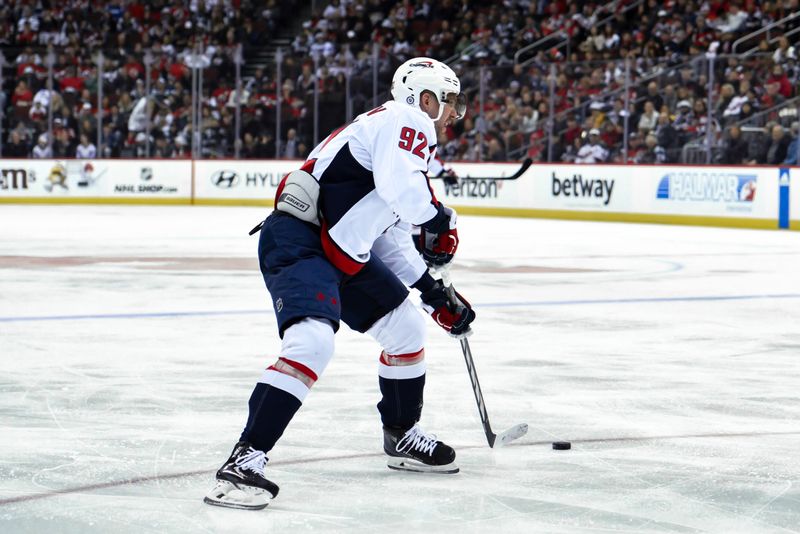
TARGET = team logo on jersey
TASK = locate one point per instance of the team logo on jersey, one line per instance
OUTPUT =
(425, 64)
(279, 305)
(409, 99)
(225, 179)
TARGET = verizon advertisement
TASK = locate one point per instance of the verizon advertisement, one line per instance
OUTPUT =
(488, 185)
(254, 181)
(42, 179)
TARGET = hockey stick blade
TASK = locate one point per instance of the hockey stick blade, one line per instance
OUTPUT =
(511, 434)
(525, 165)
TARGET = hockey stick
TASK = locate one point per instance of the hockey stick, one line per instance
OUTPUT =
(512, 433)
(525, 165)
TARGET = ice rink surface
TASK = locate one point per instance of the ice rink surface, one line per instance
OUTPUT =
(131, 337)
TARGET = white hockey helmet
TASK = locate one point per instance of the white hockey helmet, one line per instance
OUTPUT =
(425, 74)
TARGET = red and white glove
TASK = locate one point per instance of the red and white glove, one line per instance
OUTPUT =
(449, 309)
(439, 247)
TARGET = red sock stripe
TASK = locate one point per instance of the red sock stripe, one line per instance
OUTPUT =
(296, 370)
(402, 359)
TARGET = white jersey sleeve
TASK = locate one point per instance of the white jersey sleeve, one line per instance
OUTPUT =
(397, 251)
(436, 167)
(401, 152)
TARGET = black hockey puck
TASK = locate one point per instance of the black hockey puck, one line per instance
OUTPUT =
(562, 445)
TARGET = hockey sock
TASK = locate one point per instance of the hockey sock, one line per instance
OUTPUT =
(401, 405)
(271, 409)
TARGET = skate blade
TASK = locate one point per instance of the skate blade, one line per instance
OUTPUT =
(407, 464)
(229, 495)
(511, 434)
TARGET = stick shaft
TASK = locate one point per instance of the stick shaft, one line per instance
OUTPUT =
(473, 373)
(476, 388)
(523, 168)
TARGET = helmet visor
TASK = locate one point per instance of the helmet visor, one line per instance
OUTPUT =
(459, 103)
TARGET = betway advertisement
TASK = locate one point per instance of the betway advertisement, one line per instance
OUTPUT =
(584, 188)
(231, 180)
(101, 179)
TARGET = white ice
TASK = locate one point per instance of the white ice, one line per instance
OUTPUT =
(131, 337)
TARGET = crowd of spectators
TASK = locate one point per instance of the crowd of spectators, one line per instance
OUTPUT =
(346, 45)
(138, 40)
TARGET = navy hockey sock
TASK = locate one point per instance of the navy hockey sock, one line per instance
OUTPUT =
(401, 405)
(271, 409)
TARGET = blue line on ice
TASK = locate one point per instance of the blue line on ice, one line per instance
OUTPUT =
(522, 304)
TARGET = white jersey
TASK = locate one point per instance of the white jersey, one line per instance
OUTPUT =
(373, 186)
(42, 152)
(86, 151)
(591, 153)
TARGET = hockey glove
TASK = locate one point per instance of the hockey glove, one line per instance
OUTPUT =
(449, 309)
(449, 177)
(439, 242)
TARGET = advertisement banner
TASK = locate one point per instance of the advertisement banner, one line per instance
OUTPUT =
(742, 192)
(600, 188)
(96, 179)
(483, 184)
(736, 192)
(759, 197)
(231, 180)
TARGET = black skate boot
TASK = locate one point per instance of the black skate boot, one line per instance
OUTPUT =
(414, 450)
(241, 482)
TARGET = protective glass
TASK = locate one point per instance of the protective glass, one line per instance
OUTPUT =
(458, 101)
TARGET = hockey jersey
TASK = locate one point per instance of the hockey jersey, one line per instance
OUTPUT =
(374, 186)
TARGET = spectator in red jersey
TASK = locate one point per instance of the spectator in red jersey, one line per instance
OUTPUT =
(71, 82)
(611, 134)
(27, 36)
(21, 100)
(779, 77)
(772, 97)
(37, 113)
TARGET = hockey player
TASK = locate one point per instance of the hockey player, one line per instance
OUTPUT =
(338, 248)
(438, 169)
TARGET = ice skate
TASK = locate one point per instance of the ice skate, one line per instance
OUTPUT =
(241, 482)
(414, 450)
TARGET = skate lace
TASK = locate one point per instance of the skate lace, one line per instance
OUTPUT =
(254, 461)
(416, 438)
